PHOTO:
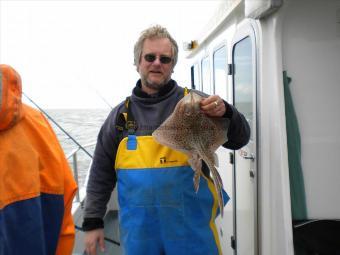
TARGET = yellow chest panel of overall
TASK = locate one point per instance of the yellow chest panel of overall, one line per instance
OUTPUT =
(148, 154)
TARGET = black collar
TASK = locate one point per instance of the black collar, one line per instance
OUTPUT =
(163, 91)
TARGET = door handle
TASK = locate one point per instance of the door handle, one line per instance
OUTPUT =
(245, 155)
(251, 157)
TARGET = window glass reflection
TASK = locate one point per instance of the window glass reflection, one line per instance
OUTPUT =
(195, 77)
(220, 74)
(206, 76)
(243, 79)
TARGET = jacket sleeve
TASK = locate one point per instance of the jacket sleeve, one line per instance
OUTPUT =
(67, 232)
(238, 131)
(102, 177)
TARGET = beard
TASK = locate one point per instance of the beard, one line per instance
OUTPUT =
(153, 84)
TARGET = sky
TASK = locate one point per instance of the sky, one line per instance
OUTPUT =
(79, 54)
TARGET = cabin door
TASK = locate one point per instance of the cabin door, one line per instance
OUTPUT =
(245, 172)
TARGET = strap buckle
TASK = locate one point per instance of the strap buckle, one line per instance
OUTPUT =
(131, 125)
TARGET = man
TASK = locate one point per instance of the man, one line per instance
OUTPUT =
(36, 183)
(160, 213)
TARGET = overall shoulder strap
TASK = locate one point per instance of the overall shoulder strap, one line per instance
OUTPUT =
(126, 120)
(186, 91)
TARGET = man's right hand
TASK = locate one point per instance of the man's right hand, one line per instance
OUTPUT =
(91, 239)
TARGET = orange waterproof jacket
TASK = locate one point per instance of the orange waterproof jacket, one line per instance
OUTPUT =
(36, 183)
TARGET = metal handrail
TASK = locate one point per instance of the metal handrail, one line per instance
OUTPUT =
(56, 123)
(73, 154)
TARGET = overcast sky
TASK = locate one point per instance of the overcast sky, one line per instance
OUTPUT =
(71, 54)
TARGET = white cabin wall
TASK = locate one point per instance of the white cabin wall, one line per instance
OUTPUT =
(311, 56)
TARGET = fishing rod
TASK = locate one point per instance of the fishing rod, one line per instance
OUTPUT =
(103, 99)
(60, 127)
(99, 95)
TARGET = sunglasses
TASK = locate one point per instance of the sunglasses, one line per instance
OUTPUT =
(152, 57)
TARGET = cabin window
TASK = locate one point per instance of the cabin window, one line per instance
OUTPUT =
(206, 75)
(220, 73)
(243, 79)
(195, 84)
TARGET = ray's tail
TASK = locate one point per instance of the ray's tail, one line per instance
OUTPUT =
(216, 179)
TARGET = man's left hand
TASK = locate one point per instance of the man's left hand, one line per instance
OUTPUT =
(213, 106)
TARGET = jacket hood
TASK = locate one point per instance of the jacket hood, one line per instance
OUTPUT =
(10, 97)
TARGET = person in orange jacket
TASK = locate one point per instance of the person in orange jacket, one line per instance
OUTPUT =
(36, 183)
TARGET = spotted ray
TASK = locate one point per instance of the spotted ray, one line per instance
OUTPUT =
(190, 131)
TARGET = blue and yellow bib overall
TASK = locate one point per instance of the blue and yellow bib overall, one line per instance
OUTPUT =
(160, 213)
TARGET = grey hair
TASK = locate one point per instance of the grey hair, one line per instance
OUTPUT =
(156, 31)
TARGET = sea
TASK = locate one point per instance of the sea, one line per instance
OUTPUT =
(81, 125)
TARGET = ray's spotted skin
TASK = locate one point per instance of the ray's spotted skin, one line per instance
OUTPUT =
(190, 131)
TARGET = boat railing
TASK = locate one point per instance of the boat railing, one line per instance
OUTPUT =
(73, 155)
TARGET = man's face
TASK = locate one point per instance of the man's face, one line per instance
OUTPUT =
(155, 74)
